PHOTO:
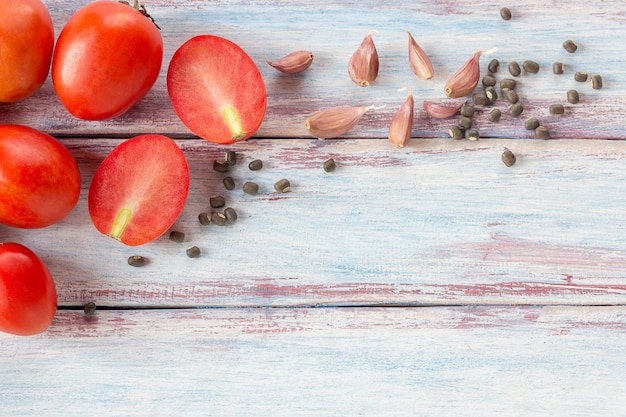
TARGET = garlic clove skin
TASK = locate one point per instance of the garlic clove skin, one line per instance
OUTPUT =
(293, 63)
(439, 111)
(465, 79)
(334, 121)
(402, 123)
(363, 64)
(419, 61)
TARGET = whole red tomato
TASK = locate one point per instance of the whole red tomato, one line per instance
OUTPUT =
(39, 178)
(28, 297)
(106, 59)
(26, 42)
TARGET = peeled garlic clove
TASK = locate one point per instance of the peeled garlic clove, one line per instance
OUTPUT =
(363, 65)
(293, 63)
(465, 79)
(419, 61)
(439, 111)
(402, 123)
(334, 121)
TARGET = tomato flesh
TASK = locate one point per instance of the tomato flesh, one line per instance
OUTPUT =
(28, 297)
(139, 189)
(216, 89)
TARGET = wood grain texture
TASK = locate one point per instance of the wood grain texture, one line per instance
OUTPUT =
(462, 361)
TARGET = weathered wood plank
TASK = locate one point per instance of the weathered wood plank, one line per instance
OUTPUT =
(440, 221)
(464, 361)
(448, 31)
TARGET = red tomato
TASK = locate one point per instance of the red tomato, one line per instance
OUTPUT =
(26, 42)
(107, 58)
(139, 190)
(216, 89)
(28, 297)
(39, 178)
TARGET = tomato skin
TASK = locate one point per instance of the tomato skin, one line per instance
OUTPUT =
(28, 297)
(26, 43)
(39, 178)
(106, 59)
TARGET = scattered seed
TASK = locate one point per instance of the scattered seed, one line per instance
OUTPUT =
(136, 261)
(494, 115)
(494, 66)
(489, 80)
(514, 68)
(251, 187)
(581, 76)
(542, 133)
(505, 13)
(515, 109)
(176, 236)
(217, 201)
(472, 134)
(508, 84)
(531, 67)
(230, 214)
(596, 82)
(573, 97)
(220, 166)
(255, 165)
(204, 219)
(531, 123)
(455, 132)
(512, 96)
(282, 185)
(480, 99)
(570, 46)
(90, 309)
(508, 158)
(467, 110)
(229, 183)
(193, 251)
(558, 68)
(329, 165)
(230, 158)
(465, 122)
(557, 109)
(491, 93)
(219, 219)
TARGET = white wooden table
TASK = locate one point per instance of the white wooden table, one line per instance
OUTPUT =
(430, 280)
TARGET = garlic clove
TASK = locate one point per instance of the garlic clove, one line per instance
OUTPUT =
(334, 121)
(465, 79)
(439, 111)
(419, 61)
(402, 123)
(293, 63)
(363, 64)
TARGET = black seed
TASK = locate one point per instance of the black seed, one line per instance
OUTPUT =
(531, 67)
(282, 185)
(193, 251)
(178, 237)
(229, 183)
(251, 188)
(472, 134)
(218, 219)
(511, 96)
(491, 93)
(136, 260)
(467, 110)
(581, 76)
(329, 165)
(465, 122)
(480, 99)
(217, 201)
(90, 309)
(494, 115)
(542, 133)
(494, 66)
(514, 69)
(573, 97)
(515, 109)
(596, 82)
(204, 218)
(489, 80)
(455, 132)
(570, 46)
(558, 68)
(557, 109)
(508, 84)
(505, 13)
(230, 158)
(531, 123)
(508, 158)
(220, 166)
(230, 214)
(255, 165)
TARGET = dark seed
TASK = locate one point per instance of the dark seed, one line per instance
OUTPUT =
(90, 309)
(467, 110)
(596, 82)
(230, 214)
(178, 237)
(220, 166)
(455, 132)
(581, 76)
(480, 99)
(329, 165)
(255, 165)
(508, 84)
(491, 93)
(494, 115)
(204, 218)
(494, 66)
(217, 201)
(136, 260)
(558, 68)
(511, 96)
(505, 13)
(230, 158)
(514, 69)
(531, 123)
(557, 109)
(465, 122)
(531, 67)
(515, 109)
(218, 219)
(229, 183)
(570, 46)
(251, 187)
(489, 80)
(542, 133)
(282, 185)
(472, 134)
(508, 158)
(573, 97)
(193, 251)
